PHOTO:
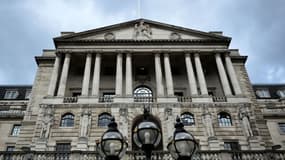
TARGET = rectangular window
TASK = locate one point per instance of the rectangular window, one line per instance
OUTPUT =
(231, 146)
(76, 94)
(16, 130)
(12, 94)
(263, 93)
(10, 148)
(281, 93)
(28, 94)
(62, 150)
(178, 94)
(63, 147)
(282, 127)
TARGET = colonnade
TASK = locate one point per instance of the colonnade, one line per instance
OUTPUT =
(193, 82)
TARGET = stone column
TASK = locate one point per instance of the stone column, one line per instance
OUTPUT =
(64, 74)
(191, 75)
(54, 76)
(119, 75)
(232, 75)
(158, 76)
(86, 78)
(223, 75)
(129, 79)
(96, 76)
(200, 75)
(168, 75)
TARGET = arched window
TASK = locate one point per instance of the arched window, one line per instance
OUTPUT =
(224, 119)
(187, 119)
(142, 94)
(104, 119)
(67, 120)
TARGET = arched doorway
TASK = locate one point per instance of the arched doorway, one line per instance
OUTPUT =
(143, 94)
(139, 119)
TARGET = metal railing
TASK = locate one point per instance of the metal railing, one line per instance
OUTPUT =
(219, 99)
(70, 100)
(184, 99)
(138, 155)
(106, 99)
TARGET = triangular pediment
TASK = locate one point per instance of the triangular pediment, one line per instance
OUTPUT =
(142, 29)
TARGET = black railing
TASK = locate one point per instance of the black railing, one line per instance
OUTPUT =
(70, 100)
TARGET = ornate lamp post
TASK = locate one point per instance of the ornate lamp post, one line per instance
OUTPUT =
(113, 145)
(147, 135)
(183, 144)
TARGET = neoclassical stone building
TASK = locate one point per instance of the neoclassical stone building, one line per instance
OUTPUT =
(120, 69)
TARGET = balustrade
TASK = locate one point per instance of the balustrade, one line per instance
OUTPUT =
(139, 155)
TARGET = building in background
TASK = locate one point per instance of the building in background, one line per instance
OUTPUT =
(120, 69)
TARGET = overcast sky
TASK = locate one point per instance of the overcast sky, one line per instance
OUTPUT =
(256, 28)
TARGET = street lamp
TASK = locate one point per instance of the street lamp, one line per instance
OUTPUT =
(113, 145)
(147, 135)
(183, 144)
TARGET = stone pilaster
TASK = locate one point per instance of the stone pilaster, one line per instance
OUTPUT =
(64, 75)
(232, 75)
(54, 76)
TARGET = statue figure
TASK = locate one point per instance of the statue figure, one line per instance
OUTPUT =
(142, 29)
(208, 123)
(47, 122)
(244, 117)
(85, 122)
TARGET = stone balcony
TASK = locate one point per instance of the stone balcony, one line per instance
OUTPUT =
(138, 155)
(134, 99)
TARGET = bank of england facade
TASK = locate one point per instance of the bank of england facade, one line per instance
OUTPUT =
(118, 70)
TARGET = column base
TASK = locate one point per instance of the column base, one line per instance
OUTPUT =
(213, 143)
(52, 100)
(254, 143)
(41, 144)
(202, 98)
(87, 99)
(123, 99)
(171, 99)
(237, 99)
(82, 144)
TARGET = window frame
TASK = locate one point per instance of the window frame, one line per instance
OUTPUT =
(102, 119)
(9, 94)
(234, 146)
(263, 93)
(224, 121)
(16, 129)
(64, 121)
(28, 93)
(281, 128)
(281, 93)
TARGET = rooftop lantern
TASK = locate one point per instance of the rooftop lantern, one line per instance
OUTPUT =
(147, 135)
(112, 145)
(183, 145)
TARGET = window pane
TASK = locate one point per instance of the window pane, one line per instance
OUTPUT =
(188, 119)
(224, 119)
(10, 148)
(67, 120)
(231, 146)
(282, 127)
(16, 130)
(104, 119)
(11, 94)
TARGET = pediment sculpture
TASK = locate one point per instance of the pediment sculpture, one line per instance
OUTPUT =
(142, 31)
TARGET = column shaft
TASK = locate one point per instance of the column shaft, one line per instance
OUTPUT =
(223, 75)
(96, 76)
(232, 75)
(119, 75)
(200, 75)
(86, 76)
(158, 76)
(168, 75)
(54, 76)
(191, 75)
(129, 80)
(64, 75)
